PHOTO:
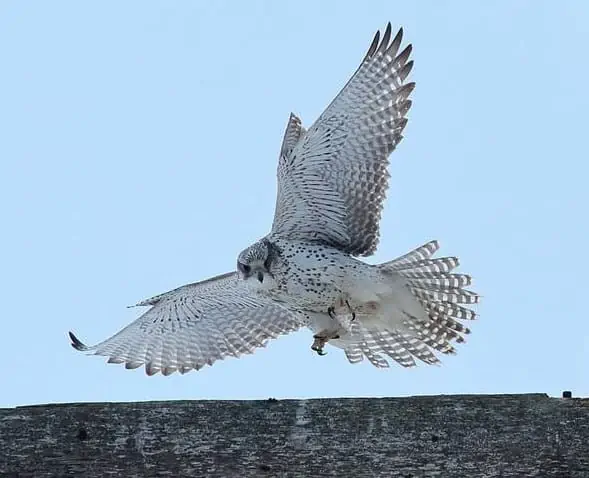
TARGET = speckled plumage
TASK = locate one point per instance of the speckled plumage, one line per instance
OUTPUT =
(332, 181)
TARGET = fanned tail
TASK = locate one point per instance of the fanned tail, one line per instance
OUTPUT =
(445, 300)
(441, 293)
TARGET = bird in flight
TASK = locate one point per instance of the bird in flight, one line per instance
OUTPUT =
(332, 181)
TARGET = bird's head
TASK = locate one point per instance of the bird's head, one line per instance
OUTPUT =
(256, 261)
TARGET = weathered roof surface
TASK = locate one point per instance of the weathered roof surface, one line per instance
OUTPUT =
(440, 436)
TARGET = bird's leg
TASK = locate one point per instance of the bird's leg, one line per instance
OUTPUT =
(351, 310)
(324, 336)
(342, 303)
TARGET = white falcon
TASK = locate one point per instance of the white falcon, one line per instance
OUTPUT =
(332, 181)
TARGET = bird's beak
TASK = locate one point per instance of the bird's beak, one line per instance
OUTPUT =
(260, 276)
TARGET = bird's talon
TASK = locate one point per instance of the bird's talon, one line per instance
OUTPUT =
(318, 345)
(351, 310)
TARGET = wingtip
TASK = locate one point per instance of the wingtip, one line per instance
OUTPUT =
(143, 303)
(77, 343)
(433, 246)
(386, 37)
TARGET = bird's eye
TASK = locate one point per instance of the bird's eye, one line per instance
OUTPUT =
(244, 268)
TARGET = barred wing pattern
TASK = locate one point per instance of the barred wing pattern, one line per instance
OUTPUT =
(332, 179)
(196, 325)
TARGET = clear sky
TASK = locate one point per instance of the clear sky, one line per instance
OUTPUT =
(138, 145)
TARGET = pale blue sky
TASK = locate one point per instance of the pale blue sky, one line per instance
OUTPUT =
(138, 143)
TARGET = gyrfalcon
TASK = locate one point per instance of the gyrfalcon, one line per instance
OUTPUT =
(332, 181)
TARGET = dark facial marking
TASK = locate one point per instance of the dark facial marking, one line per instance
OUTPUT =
(243, 268)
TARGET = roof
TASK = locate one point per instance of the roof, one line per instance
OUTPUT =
(441, 436)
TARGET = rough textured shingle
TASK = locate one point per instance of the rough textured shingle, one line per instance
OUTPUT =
(441, 436)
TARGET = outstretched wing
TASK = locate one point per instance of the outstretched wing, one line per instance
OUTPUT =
(196, 325)
(332, 179)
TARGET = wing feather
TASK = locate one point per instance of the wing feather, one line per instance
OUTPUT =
(293, 132)
(332, 179)
(196, 325)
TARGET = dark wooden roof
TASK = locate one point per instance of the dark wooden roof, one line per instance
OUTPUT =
(440, 436)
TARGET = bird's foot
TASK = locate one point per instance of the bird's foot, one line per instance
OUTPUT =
(318, 344)
(321, 340)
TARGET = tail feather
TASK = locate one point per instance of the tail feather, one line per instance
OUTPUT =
(435, 335)
(354, 354)
(449, 310)
(438, 328)
(443, 346)
(453, 296)
(429, 280)
(441, 265)
(440, 293)
(388, 343)
(449, 323)
(416, 255)
(374, 343)
(417, 348)
(374, 357)
(443, 297)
